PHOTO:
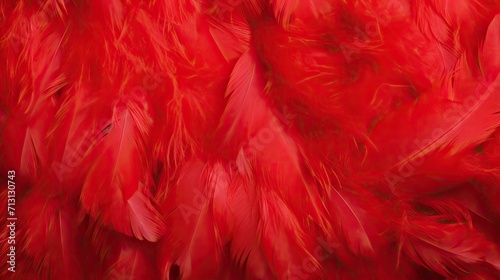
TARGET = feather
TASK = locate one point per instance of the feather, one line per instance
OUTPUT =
(177, 11)
(32, 105)
(466, 20)
(445, 136)
(264, 138)
(445, 244)
(309, 70)
(51, 236)
(116, 190)
(237, 218)
(233, 38)
(285, 243)
(248, 88)
(241, 86)
(352, 222)
(193, 88)
(490, 63)
(487, 173)
(191, 244)
(283, 10)
(77, 127)
(121, 257)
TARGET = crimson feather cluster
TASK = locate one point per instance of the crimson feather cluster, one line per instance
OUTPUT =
(250, 139)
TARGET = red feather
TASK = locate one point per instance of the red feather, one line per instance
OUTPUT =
(191, 243)
(122, 198)
(51, 236)
(445, 243)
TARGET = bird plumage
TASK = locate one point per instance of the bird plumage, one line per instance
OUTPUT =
(232, 139)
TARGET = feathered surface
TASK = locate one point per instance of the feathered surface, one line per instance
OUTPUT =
(251, 139)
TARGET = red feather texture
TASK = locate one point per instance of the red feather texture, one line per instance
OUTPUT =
(122, 199)
(52, 236)
(191, 243)
(235, 202)
(119, 257)
(255, 163)
(262, 139)
(33, 102)
(446, 244)
(447, 140)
